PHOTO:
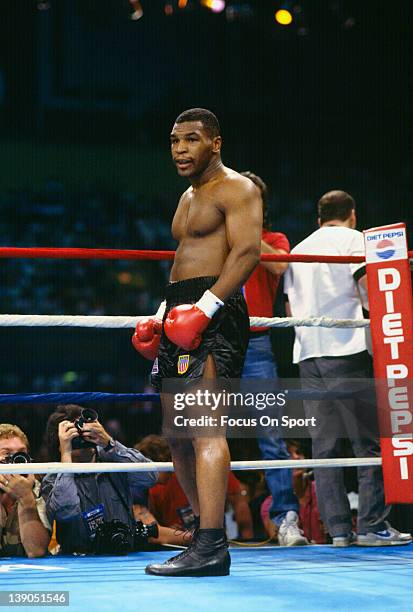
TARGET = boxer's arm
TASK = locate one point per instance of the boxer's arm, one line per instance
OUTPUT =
(243, 223)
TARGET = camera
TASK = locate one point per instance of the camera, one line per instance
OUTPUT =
(116, 538)
(88, 415)
(112, 538)
(142, 532)
(19, 457)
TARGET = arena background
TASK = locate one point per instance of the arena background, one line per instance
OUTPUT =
(87, 99)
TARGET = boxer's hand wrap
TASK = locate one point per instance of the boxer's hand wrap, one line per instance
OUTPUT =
(148, 334)
(185, 323)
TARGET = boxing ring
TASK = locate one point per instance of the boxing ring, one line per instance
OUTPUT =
(272, 578)
(314, 577)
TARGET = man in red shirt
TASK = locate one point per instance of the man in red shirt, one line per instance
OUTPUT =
(259, 292)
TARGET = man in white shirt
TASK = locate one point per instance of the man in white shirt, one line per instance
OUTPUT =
(328, 357)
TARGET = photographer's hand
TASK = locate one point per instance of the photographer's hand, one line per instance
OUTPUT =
(67, 431)
(96, 433)
(18, 487)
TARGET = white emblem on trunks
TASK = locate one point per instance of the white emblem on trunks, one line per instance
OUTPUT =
(155, 367)
(183, 363)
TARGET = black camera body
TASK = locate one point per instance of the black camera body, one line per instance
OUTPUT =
(88, 415)
(142, 532)
(19, 457)
(112, 538)
(116, 538)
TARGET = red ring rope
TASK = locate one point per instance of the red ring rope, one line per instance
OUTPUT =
(73, 253)
(54, 253)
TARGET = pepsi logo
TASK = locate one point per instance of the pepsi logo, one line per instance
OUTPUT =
(385, 249)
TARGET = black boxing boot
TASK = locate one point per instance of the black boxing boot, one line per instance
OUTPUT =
(196, 526)
(207, 555)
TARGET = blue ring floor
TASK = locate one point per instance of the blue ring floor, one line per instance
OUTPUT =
(267, 578)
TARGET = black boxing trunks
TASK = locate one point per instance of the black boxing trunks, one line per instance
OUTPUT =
(226, 337)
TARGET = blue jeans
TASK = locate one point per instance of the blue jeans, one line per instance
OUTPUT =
(259, 363)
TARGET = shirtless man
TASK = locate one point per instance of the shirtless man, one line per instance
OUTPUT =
(205, 331)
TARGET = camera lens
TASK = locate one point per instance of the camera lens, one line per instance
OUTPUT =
(89, 415)
(20, 457)
(120, 543)
(113, 538)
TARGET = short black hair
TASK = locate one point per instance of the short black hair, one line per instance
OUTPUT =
(209, 120)
(64, 412)
(257, 180)
(335, 205)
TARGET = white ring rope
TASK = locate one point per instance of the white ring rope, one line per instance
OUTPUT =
(86, 468)
(104, 322)
(109, 322)
(309, 322)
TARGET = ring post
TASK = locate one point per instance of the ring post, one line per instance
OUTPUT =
(391, 322)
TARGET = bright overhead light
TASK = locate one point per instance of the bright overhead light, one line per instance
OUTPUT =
(216, 6)
(283, 17)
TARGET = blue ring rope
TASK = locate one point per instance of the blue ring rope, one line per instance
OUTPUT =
(74, 398)
(96, 396)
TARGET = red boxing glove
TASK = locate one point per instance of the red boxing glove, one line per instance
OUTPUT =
(185, 323)
(148, 334)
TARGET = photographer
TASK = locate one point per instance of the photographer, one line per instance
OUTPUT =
(93, 512)
(24, 528)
